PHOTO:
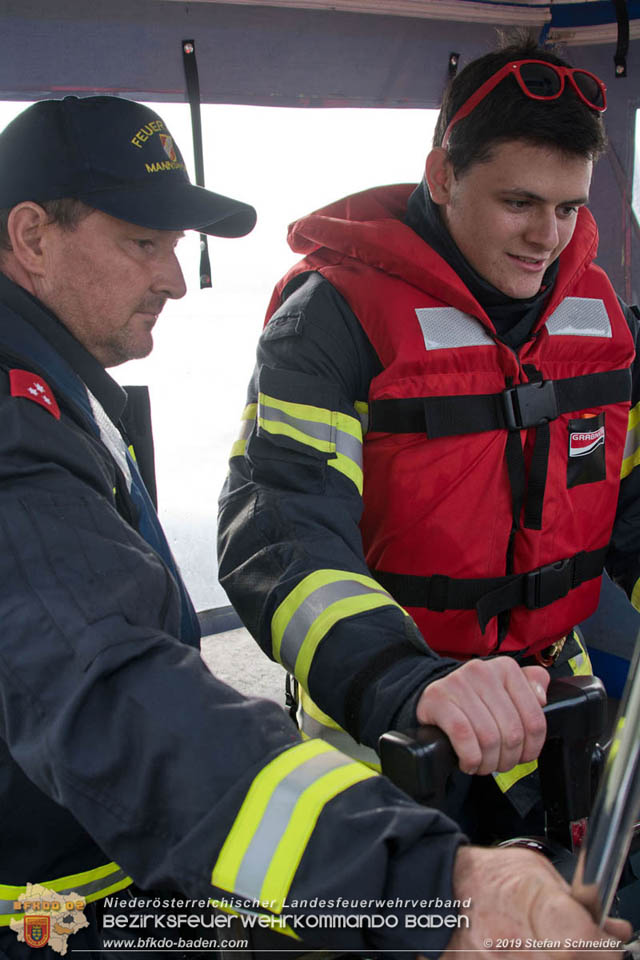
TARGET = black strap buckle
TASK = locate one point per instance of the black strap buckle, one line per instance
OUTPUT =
(549, 583)
(530, 405)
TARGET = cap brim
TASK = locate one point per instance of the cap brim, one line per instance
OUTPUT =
(179, 206)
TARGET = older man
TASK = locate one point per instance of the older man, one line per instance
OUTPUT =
(123, 760)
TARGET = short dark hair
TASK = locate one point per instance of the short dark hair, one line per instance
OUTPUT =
(507, 114)
(66, 212)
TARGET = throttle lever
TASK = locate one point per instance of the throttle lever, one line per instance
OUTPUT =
(421, 760)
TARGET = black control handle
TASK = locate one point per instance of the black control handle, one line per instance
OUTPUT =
(420, 761)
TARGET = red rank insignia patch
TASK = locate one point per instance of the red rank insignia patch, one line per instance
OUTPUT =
(26, 384)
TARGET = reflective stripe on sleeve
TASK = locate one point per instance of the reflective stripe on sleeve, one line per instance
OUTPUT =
(269, 836)
(635, 595)
(327, 431)
(580, 666)
(631, 455)
(90, 885)
(318, 602)
(314, 722)
(247, 419)
(506, 780)
(362, 409)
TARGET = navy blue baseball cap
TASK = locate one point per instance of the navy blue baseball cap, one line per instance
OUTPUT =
(115, 155)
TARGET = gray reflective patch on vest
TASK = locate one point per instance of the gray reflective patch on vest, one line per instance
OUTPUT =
(275, 820)
(579, 317)
(445, 328)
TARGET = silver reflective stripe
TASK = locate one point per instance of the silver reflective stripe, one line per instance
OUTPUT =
(94, 886)
(349, 446)
(309, 611)
(6, 907)
(111, 438)
(320, 431)
(83, 890)
(579, 317)
(275, 820)
(327, 433)
(445, 327)
(337, 737)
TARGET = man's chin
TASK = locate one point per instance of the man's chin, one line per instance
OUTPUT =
(119, 354)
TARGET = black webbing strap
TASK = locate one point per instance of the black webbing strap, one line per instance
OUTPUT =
(193, 92)
(516, 408)
(622, 47)
(490, 596)
(538, 467)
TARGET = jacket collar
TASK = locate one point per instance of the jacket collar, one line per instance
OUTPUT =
(112, 397)
(370, 227)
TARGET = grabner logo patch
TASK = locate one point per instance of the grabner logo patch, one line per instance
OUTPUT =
(584, 443)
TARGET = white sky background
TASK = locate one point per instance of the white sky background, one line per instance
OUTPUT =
(286, 162)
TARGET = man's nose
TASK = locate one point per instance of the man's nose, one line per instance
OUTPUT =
(170, 279)
(543, 229)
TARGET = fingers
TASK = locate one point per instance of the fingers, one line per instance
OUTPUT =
(620, 929)
(491, 710)
(517, 897)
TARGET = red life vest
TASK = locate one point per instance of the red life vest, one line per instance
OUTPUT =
(491, 476)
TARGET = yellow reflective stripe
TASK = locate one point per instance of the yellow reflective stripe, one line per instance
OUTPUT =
(303, 590)
(362, 409)
(297, 627)
(615, 741)
(314, 722)
(506, 780)
(313, 710)
(133, 453)
(635, 595)
(86, 885)
(631, 455)
(285, 863)
(350, 469)
(581, 665)
(248, 417)
(340, 610)
(337, 434)
(288, 796)
(253, 808)
(347, 424)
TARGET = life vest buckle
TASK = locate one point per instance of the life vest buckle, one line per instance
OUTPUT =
(549, 583)
(529, 405)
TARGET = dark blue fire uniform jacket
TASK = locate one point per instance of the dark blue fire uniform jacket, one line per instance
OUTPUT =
(122, 758)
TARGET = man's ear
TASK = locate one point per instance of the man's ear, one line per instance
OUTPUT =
(26, 225)
(439, 175)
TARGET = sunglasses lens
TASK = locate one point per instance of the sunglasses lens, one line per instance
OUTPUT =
(540, 80)
(589, 87)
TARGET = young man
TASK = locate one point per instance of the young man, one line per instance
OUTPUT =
(122, 759)
(429, 481)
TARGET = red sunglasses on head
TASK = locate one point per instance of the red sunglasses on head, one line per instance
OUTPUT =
(539, 80)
